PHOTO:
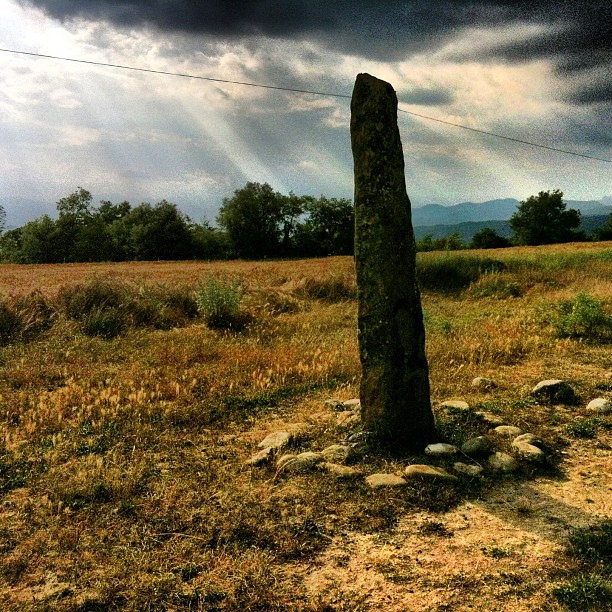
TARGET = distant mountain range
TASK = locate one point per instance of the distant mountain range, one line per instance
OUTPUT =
(493, 210)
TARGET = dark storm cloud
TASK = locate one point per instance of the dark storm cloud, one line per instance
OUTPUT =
(576, 34)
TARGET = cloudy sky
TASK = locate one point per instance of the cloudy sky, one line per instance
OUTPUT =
(538, 71)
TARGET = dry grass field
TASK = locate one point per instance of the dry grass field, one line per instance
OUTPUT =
(126, 425)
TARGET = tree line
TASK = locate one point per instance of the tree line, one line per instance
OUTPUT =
(256, 222)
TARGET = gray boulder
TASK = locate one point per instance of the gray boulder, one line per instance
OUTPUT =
(601, 405)
(554, 391)
(337, 453)
(507, 430)
(467, 469)
(502, 462)
(477, 447)
(529, 452)
(275, 440)
(441, 449)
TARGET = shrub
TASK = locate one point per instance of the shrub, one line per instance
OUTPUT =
(79, 300)
(454, 272)
(583, 317)
(104, 322)
(35, 313)
(495, 286)
(333, 288)
(218, 301)
(11, 325)
(585, 592)
(592, 544)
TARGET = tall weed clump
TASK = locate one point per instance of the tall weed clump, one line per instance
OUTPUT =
(24, 317)
(453, 272)
(218, 302)
(100, 306)
(583, 317)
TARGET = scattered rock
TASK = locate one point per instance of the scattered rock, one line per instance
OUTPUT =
(341, 471)
(486, 384)
(276, 440)
(352, 404)
(347, 419)
(377, 481)
(477, 447)
(600, 405)
(263, 456)
(427, 472)
(502, 462)
(507, 430)
(457, 404)
(555, 391)
(360, 437)
(441, 449)
(337, 453)
(304, 462)
(282, 461)
(529, 452)
(336, 405)
(468, 470)
(528, 438)
(490, 419)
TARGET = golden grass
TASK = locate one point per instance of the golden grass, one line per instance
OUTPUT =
(122, 466)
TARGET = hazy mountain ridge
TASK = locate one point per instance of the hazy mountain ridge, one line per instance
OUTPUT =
(466, 230)
(492, 210)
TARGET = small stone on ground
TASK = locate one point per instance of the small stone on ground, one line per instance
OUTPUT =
(481, 382)
(275, 440)
(457, 404)
(441, 449)
(600, 405)
(427, 472)
(340, 471)
(477, 447)
(507, 430)
(261, 457)
(554, 391)
(468, 470)
(337, 453)
(502, 462)
(377, 481)
(529, 452)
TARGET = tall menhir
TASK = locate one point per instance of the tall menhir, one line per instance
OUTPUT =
(395, 400)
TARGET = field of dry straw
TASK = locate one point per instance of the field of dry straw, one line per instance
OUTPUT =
(125, 429)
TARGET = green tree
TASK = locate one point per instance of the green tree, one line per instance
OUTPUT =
(486, 238)
(543, 219)
(605, 231)
(329, 228)
(77, 205)
(253, 218)
(158, 232)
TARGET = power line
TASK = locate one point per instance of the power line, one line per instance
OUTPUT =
(532, 144)
(295, 90)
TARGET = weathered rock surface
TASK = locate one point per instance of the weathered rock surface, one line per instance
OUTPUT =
(427, 472)
(275, 440)
(490, 419)
(554, 391)
(394, 393)
(263, 456)
(601, 405)
(337, 453)
(528, 438)
(352, 404)
(529, 452)
(507, 430)
(347, 419)
(304, 462)
(483, 383)
(467, 469)
(502, 462)
(457, 404)
(440, 449)
(477, 447)
(377, 481)
(336, 405)
(340, 471)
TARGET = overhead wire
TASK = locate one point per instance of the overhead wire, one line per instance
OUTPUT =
(297, 90)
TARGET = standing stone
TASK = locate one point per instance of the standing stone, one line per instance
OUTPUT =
(395, 401)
